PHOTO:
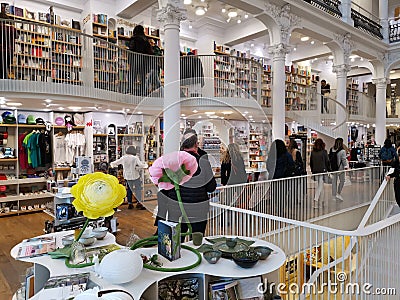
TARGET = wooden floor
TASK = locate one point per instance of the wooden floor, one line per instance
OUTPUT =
(16, 228)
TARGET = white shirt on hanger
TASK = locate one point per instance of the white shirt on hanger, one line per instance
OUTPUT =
(131, 165)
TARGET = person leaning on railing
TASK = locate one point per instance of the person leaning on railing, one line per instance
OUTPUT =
(7, 38)
(139, 64)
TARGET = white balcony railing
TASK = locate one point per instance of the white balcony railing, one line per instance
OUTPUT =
(354, 246)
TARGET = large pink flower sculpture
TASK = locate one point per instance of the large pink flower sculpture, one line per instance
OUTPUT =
(173, 169)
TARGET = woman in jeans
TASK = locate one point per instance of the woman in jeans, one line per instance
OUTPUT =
(319, 163)
(343, 164)
(131, 166)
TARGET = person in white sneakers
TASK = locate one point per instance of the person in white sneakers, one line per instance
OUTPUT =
(131, 166)
(341, 164)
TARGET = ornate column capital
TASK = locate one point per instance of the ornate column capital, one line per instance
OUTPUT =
(381, 83)
(284, 19)
(346, 44)
(279, 51)
(171, 12)
(341, 70)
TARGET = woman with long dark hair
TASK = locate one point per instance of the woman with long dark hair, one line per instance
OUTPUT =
(279, 160)
(319, 163)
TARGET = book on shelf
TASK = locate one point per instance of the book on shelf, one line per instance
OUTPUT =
(169, 240)
(238, 289)
(182, 288)
(36, 247)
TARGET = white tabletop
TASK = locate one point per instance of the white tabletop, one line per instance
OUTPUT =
(223, 268)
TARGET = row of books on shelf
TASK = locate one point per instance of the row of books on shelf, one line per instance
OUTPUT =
(32, 27)
(51, 18)
(227, 288)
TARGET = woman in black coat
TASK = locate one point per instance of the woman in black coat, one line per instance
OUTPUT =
(194, 193)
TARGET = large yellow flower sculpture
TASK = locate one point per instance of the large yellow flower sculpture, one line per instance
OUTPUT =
(97, 194)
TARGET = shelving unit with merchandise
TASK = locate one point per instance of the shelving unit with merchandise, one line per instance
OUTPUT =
(257, 149)
(297, 80)
(99, 151)
(266, 86)
(211, 143)
(235, 73)
(45, 52)
(66, 57)
(241, 137)
(112, 142)
(23, 189)
(352, 96)
(224, 75)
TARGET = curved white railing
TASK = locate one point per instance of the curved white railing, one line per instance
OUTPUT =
(318, 254)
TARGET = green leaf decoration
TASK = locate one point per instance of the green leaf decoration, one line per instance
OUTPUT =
(61, 252)
(204, 248)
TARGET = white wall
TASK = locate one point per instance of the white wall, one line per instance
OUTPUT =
(325, 67)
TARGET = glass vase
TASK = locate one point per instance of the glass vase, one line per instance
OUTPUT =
(78, 253)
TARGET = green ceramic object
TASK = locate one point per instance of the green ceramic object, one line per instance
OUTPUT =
(246, 259)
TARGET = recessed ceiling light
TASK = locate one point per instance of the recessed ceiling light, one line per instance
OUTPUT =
(250, 117)
(228, 112)
(190, 26)
(195, 111)
(187, 2)
(392, 71)
(246, 112)
(304, 38)
(48, 100)
(182, 115)
(228, 20)
(312, 42)
(61, 108)
(214, 117)
(246, 16)
(3, 106)
(221, 118)
(361, 59)
(14, 103)
(199, 117)
(232, 13)
(127, 109)
(239, 21)
(108, 110)
(200, 10)
(294, 49)
(330, 56)
(47, 109)
(140, 112)
(252, 45)
(210, 113)
(223, 10)
(74, 107)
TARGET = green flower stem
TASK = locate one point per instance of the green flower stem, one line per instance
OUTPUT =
(150, 241)
(83, 229)
(178, 194)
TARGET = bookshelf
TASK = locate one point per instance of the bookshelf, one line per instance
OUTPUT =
(297, 80)
(257, 149)
(352, 96)
(46, 53)
(266, 86)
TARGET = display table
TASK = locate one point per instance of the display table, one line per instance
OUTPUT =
(146, 283)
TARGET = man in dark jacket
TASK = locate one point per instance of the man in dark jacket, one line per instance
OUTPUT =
(139, 63)
(194, 193)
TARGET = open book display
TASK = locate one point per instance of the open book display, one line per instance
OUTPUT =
(36, 247)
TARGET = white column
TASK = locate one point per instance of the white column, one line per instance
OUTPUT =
(278, 52)
(383, 17)
(341, 77)
(380, 118)
(345, 8)
(171, 15)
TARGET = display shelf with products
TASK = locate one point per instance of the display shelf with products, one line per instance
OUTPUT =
(298, 78)
(99, 151)
(352, 96)
(111, 142)
(257, 153)
(266, 86)
(151, 145)
(45, 52)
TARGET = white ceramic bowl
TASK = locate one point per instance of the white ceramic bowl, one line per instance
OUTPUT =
(67, 240)
(87, 239)
(100, 232)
